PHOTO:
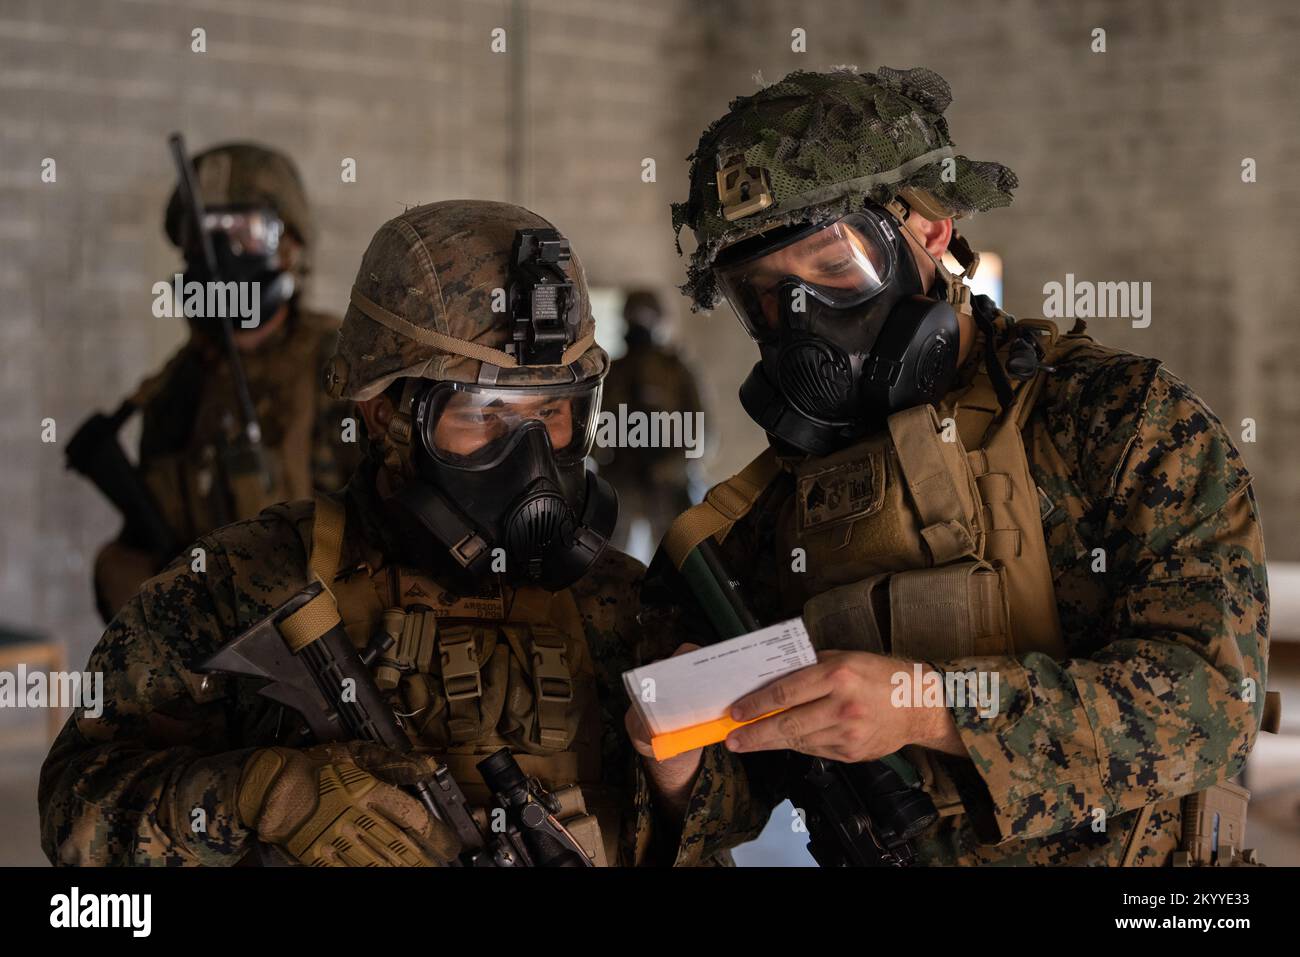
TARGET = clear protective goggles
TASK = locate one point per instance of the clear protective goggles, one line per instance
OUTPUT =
(247, 231)
(474, 427)
(843, 262)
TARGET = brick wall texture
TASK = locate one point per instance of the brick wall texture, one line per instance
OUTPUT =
(1129, 160)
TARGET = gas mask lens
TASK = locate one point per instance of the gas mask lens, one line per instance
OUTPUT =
(247, 232)
(475, 427)
(841, 263)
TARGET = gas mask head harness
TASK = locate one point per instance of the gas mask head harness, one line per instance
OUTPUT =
(247, 242)
(846, 332)
(497, 471)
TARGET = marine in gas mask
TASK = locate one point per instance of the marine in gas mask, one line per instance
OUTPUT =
(467, 557)
(489, 476)
(938, 479)
(847, 331)
(260, 224)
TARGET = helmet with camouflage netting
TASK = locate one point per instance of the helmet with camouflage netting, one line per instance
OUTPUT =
(816, 145)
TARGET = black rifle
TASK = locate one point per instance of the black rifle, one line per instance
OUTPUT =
(96, 453)
(329, 685)
(857, 815)
(244, 456)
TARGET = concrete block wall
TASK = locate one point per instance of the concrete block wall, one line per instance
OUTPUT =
(1129, 163)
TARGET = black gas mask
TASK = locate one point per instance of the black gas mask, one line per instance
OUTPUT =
(502, 482)
(846, 333)
(246, 240)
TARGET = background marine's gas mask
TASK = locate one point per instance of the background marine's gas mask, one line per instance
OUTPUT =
(503, 468)
(846, 334)
(247, 243)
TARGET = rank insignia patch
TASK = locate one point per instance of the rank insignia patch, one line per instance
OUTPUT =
(841, 492)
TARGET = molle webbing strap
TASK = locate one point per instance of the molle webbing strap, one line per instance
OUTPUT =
(915, 433)
(446, 343)
(726, 504)
(552, 687)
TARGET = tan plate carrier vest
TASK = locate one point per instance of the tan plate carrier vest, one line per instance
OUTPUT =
(188, 483)
(925, 541)
(469, 675)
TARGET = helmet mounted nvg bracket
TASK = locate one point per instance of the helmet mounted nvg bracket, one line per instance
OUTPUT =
(540, 297)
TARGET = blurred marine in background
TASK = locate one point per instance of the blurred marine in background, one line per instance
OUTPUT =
(448, 633)
(261, 226)
(653, 482)
(1058, 536)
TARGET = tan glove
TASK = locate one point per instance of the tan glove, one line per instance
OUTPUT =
(338, 805)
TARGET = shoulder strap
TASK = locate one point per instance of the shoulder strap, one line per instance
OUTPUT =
(326, 539)
(319, 615)
(1014, 534)
(727, 503)
(351, 601)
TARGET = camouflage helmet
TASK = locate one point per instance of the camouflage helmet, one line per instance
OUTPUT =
(820, 144)
(246, 174)
(427, 303)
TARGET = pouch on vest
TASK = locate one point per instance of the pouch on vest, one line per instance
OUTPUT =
(927, 614)
(1214, 829)
(903, 499)
(468, 683)
(466, 686)
(549, 688)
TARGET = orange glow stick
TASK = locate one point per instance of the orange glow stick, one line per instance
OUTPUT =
(673, 743)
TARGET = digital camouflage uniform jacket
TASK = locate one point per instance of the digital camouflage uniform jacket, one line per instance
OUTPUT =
(123, 788)
(1163, 689)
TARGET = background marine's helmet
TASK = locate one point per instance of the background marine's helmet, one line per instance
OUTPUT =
(252, 198)
(246, 175)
